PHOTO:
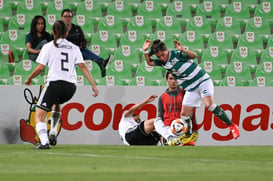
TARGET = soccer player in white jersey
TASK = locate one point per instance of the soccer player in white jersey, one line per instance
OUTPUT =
(61, 56)
(133, 131)
(192, 78)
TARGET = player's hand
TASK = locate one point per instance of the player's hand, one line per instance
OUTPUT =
(146, 44)
(96, 92)
(151, 98)
(178, 45)
(28, 81)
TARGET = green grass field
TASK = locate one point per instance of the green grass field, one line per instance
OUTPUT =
(96, 162)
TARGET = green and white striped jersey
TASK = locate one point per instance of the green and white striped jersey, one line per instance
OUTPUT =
(188, 74)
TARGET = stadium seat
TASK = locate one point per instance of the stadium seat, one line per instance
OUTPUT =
(230, 26)
(170, 25)
(44, 4)
(232, 81)
(29, 8)
(151, 10)
(239, 12)
(193, 41)
(141, 25)
(252, 41)
(128, 55)
(165, 37)
(20, 22)
(267, 54)
(89, 7)
(16, 39)
(265, 11)
(193, 4)
(104, 38)
(250, 4)
(134, 39)
(223, 41)
(240, 71)
(5, 13)
(1, 27)
(217, 56)
(210, 11)
(260, 27)
(95, 71)
(261, 82)
(246, 55)
(270, 41)
(180, 11)
(214, 70)
(73, 4)
(121, 10)
(264, 69)
(5, 50)
(55, 7)
(200, 25)
(86, 25)
(223, 4)
(104, 4)
(4, 73)
(134, 4)
(99, 50)
(112, 24)
(143, 81)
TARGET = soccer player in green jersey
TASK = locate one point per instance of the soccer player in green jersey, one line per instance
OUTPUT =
(192, 78)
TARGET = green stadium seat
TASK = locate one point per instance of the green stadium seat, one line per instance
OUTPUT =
(209, 10)
(5, 50)
(252, 41)
(44, 4)
(232, 81)
(265, 11)
(223, 41)
(193, 4)
(250, 4)
(261, 82)
(151, 10)
(239, 12)
(104, 4)
(170, 25)
(240, 71)
(217, 56)
(112, 24)
(164, 37)
(246, 55)
(89, 7)
(193, 41)
(134, 39)
(214, 70)
(15, 38)
(143, 81)
(230, 26)
(4, 73)
(267, 55)
(200, 25)
(95, 71)
(121, 10)
(5, 13)
(264, 69)
(270, 41)
(141, 25)
(29, 8)
(86, 24)
(180, 11)
(128, 55)
(134, 4)
(260, 27)
(99, 50)
(73, 4)
(109, 41)
(55, 7)
(20, 22)
(50, 20)
(223, 4)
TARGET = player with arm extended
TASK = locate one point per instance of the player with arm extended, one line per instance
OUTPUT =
(192, 78)
(133, 131)
(169, 109)
(61, 56)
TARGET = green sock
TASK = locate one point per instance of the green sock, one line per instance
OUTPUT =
(221, 114)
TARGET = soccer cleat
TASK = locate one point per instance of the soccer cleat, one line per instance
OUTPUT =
(52, 140)
(174, 141)
(42, 147)
(190, 144)
(191, 138)
(234, 131)
(108, 60)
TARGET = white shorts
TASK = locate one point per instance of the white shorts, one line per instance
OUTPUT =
(194, 98)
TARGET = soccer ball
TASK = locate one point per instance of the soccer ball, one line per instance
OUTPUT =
(179, 126)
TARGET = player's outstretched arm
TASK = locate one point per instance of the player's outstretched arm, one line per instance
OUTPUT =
(88, 75)
(178, 46)
(36, 72)
(147, 57)
(139, 105)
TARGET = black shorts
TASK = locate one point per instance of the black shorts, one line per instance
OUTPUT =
(137, 136)
(57, 92)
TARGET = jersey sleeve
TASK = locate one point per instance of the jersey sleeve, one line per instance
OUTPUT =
(43, 55)
(79, 57)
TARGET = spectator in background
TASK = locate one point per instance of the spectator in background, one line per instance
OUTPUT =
(169, 107)
(76, 36)
(37, 37)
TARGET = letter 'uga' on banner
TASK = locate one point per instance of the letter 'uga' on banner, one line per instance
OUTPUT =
(89, 120)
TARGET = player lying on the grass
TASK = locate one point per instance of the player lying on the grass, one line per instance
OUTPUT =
(192, 78)
(133, 131)
(61, 56)
(169, 109)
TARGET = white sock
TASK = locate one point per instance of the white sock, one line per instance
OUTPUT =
(41, 129)
(163, 130)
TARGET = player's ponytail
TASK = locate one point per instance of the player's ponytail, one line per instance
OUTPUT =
(157, 46)
(59, 29)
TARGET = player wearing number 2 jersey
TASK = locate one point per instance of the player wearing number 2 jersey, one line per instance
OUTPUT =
(192, 78)
(61, 56)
